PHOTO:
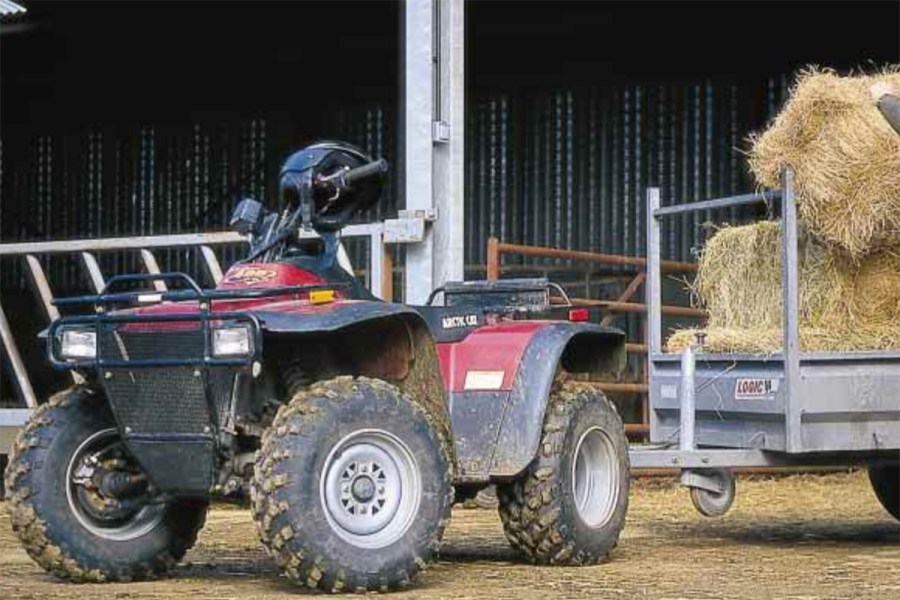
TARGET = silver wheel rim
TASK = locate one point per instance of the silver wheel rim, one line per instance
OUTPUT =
(595, 477)
(141, 522)
(370, 488)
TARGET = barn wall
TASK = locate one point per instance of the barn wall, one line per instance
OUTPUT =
(159, 124)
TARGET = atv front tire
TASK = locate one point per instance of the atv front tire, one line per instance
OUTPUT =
(63, 524)
(885, 481)
(352, 486)
(569, 505)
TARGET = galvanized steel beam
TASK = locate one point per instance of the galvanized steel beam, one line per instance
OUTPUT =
(434, 132)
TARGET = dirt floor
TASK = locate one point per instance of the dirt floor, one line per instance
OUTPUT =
(803, 537)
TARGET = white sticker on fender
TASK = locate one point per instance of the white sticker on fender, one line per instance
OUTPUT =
(484, 380)
(755, 389)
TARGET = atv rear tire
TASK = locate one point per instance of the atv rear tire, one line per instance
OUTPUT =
(59, 528)
(569, 505)
(352, 486)
(885, 481)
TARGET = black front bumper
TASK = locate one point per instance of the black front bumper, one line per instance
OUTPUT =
(170, 396)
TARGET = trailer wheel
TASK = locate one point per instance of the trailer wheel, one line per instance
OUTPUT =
(714, 504)
(352, 486)
(569, 505)
(71, 507)
(885, 481)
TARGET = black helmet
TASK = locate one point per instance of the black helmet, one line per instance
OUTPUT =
(323, 159)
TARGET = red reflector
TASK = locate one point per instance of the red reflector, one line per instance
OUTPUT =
(579, 314)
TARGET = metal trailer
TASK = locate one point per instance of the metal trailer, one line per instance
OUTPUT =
(710, 413)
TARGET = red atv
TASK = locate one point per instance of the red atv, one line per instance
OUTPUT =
(351, 421)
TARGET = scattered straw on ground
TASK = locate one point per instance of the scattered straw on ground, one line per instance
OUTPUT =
(845, 155)
(815, 537)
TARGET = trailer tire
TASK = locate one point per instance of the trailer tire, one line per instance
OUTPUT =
(352, 486)
(885, 481)
(715, 504)
(568, 507)
(53, 520)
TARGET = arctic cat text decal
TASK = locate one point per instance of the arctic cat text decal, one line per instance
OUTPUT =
(459, 321)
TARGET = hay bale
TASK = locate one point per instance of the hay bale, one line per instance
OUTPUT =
(844, 304)
(846, 158)
(739, 277)
(722, 340)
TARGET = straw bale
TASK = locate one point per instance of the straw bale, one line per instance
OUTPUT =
(846, 158)
(844, 304)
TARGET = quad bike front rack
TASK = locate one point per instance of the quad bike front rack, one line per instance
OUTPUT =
(205, 317)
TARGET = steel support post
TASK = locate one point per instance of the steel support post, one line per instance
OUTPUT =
(449, 144)
(653, 294)
(790, 261)
(434, 133)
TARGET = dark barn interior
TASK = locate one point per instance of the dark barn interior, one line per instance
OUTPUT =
(127, 118)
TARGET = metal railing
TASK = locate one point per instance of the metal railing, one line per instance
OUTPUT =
(380, 271)
(623, 303)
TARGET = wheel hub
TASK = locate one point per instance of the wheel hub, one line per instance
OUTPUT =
(363, 489)
(106, 490)
(370, 488)
(595, 477)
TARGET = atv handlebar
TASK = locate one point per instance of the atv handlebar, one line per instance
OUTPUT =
(373, 168)
(345, 178)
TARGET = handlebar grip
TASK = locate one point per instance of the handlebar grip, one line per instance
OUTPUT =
(373, 168)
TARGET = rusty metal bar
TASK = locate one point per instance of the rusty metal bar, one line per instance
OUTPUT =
(637, 307)
(636, 429)
(387, 275)
(606, 259)
(493, 259)
(635, 348)
(626, 295)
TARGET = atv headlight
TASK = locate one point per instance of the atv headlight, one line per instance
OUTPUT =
(78, 343)
(231, 341)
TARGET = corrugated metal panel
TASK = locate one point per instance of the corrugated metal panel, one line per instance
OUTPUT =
(578, 163)
(565, 168)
